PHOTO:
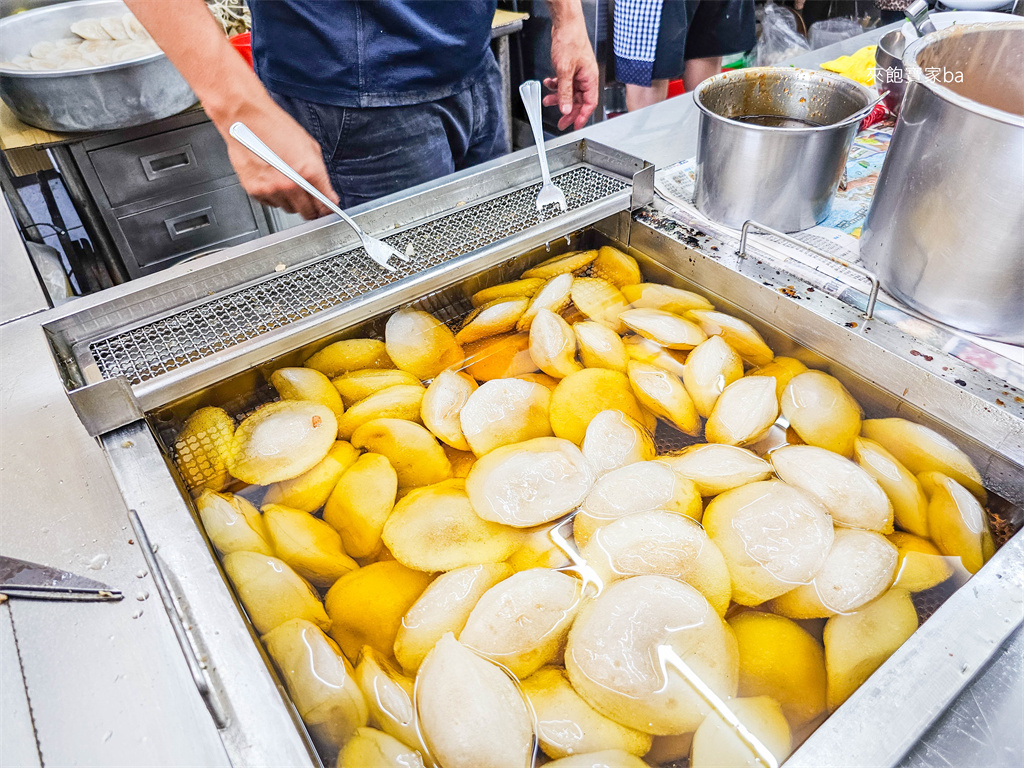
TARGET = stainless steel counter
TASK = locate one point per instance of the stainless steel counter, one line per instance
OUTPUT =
(106, 683)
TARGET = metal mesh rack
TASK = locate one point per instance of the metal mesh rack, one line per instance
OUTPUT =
(147, 351)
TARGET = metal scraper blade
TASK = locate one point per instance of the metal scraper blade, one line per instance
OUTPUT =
(20, 578)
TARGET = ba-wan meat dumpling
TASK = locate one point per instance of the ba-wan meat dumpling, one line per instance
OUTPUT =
(134, 27)
(90, 29)
(114, 26)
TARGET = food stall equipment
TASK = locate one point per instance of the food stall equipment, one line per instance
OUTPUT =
(165, 191)
(96, 98)
(944, 226)
(137, 361)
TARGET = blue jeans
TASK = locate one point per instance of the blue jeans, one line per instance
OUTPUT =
(375, 151)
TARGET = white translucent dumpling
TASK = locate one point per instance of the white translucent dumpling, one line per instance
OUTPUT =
(920, 449)
(614, 440)
(663, 328)
(521, 622)
(909, 503)
(600, 346)
(529, 483)
(612, 654)
(553, 345)
(443, 607)
(232, 523)
(388, 695)
(717, 468)
(744, 412)
(716, 743)
(859, 568)
(822, 412)
(90, 29)
(711, 367)
(442, 404)
(773, 536)
(282, 440)
(503, 412)
(471, 714)
(638, 487)
(851, 495)
(660, 543)
(740, 335)
(663, 394)
(319, 681)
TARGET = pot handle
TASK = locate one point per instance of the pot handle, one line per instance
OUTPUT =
(871, 276)
(863, 112)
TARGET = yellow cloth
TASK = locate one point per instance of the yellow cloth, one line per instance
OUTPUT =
(859, 66)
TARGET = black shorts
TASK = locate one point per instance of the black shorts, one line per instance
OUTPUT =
(697, 29)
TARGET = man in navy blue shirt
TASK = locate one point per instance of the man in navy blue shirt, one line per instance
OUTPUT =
(363, 97)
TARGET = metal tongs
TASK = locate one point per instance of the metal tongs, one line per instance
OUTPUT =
(549, 194)
(376, 249)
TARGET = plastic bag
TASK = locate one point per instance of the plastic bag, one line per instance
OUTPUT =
(779, 39)
(830, 31)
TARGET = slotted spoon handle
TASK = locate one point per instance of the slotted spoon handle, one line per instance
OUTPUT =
(530, 93)
(241, 133)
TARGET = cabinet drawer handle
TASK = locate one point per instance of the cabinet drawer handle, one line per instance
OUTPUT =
(188, 223)
(169, 161)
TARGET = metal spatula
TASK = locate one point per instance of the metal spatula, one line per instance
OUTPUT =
(549, 194)
(377, 250)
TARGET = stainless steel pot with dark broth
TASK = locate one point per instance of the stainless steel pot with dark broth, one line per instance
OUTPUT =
(772, 144)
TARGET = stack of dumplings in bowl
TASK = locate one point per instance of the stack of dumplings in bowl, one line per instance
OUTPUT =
(96, 42)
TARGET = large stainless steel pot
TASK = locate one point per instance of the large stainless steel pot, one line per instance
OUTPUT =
(91, 99)
(945, 232)
(889, 74)
(772, 143)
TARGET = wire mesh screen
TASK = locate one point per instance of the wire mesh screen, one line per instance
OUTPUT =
(163, 345)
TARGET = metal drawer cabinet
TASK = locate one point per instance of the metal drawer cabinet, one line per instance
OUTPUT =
(158, 165)
(166, 191)
(213, 219)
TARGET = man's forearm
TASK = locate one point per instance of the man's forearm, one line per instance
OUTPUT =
(565, 11)
(196, 45)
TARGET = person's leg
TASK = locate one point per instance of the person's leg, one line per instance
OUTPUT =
(699, 70)
(375, 151)
(638, 96)
(483, 109)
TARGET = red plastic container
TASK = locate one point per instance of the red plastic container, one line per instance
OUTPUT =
(243, 44)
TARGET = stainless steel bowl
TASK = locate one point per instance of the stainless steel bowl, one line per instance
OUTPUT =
(772, 143)
(92, 99)
(889, 73)
(944, 232)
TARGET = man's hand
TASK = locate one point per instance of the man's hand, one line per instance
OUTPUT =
(289, 140)
(572, 57)
(230, 91)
